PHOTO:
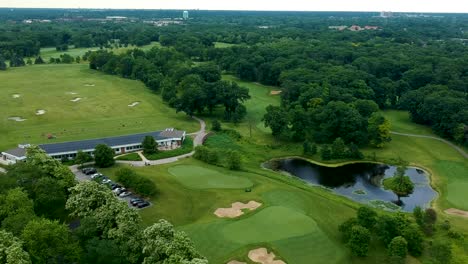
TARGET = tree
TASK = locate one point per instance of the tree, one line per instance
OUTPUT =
(400, 184)
(29, 61)
(338, 149)
(379, 130)
(234, 160)
(50, 242)
(398, 248)
(102, 251)
(11, 250)
(310, 148)
(366, 107)
(3, 65)
(149, 145)
(276, 119)
(39, 60)
(418, 215)
(49, 199)
(104, 156)
(163, 244)
(346, 227)
(441, 252)
(16, 210)
(78, 59)
(415, 239)
(326, 152)
(82, 157)
(216, 126)
(366, 217)
(359, 241)
(354, 152)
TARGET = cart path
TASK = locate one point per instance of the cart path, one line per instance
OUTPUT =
(461, 151)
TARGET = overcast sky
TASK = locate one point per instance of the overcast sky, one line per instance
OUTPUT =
(458, 6)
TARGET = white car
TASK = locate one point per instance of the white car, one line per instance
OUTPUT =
(125, 194)
(106, 181)
(118, 190)
(96, 175)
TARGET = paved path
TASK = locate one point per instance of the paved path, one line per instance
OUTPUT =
(198, 141)
(463, 153)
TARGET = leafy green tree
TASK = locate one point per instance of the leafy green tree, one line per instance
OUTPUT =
(310, 148)
(400, 184)
(359, 241)
(276, 119)
(50, 242)
(3, 65)
(137, 183)
(398, 248)
(379, 130)
(387, 227)
(102, 251)
(11, 250)
(82, 157)
(29, 61)
(16, 210)
(441, 252)
(326, 152)
(354, 152)
(16, 61)
(78, 59)
(39, 60)
(366, 107)
(104, 156)
(418, 214)
(234, 160)
(415, 239)
(338, 149)
(163, 244)
(346, 227)
(366, 217)
(216, 126)
(149, 145)
(49, 199)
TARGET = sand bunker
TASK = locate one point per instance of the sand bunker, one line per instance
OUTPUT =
(275, 92)
(16, 118)
(454, 211)
(236, 209)
(89, 84)
(134, 104)
(260, 255)
(75, 99)
(40, 112)
(236, 262)
(16, 95)
(72, 93)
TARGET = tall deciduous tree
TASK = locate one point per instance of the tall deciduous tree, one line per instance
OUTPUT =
(149, 145)
(359, 241)
(400, 184)
(276, 119)
(104, 156)
(379, 130)
(11, 250)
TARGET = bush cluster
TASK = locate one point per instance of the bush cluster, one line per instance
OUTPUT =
(137, 183)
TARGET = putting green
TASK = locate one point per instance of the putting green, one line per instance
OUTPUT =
(270, 224)
(196, 177)
(457, 182)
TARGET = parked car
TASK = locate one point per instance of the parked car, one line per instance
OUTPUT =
(96, 175)
(135, 201)
(143, 204)
(115, 186)
(124, 194)
(119, 190)
(106, 181)
(89, 171)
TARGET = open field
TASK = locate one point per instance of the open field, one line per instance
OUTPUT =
(101, 111)
(47, 53)
(221, 45)
(401, 122)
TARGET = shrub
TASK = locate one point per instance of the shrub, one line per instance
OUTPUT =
(234, 160)
(137, 183)
(366, 217)
(398, 247)
(310, 148)
(359, 241)
(216, 126)
(149, 145)
(326, 153)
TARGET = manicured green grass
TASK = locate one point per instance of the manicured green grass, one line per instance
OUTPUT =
(186, 147)
(196, 177)
(129, 157)
(102, 111)
(400, 122)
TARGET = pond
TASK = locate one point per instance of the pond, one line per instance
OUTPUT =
(362, 182)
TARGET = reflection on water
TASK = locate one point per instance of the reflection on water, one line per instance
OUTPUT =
(361, 182)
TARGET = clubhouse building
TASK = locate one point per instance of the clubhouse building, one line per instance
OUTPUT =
(166, 139)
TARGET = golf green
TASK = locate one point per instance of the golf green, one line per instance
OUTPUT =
(196, 177)
(270, 224)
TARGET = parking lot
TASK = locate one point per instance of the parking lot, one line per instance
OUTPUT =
(133, 200)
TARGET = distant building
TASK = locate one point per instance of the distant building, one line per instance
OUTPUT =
(185, 15)
(166, 139)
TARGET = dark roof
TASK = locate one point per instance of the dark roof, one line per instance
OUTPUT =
(172, 133)
(17, 152)
(110, 141)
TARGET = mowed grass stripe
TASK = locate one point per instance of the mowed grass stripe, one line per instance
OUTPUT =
(202, 178)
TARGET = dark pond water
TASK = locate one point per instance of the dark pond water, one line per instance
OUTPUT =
(361, 182)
